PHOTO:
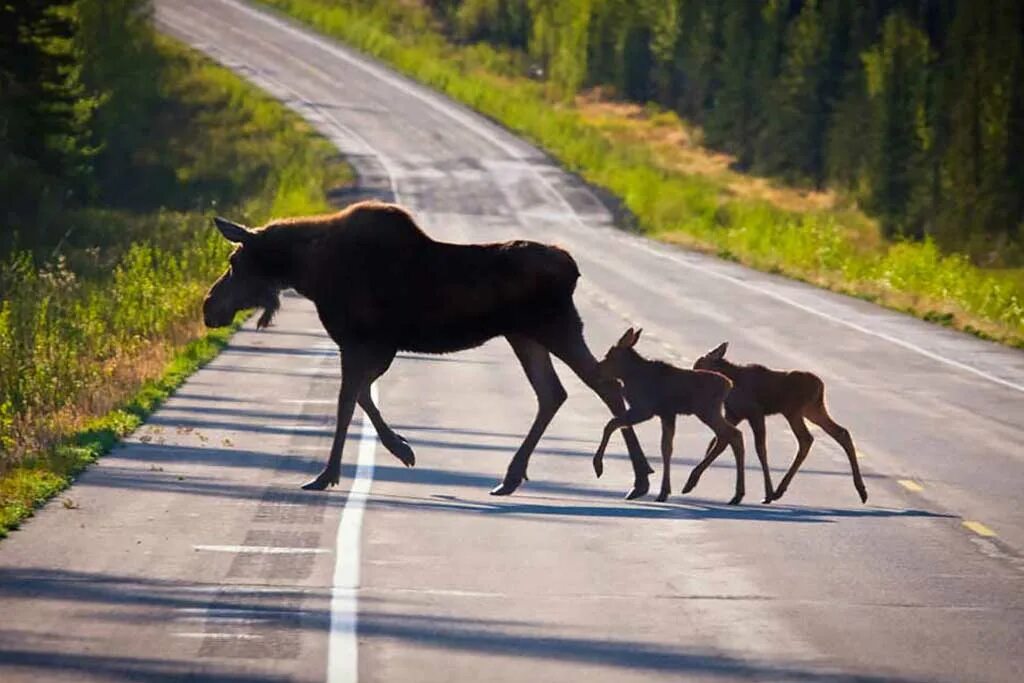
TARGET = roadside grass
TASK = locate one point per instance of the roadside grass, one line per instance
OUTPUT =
(698, 202)
(92, 341)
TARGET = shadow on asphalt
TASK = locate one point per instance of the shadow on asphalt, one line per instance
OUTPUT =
(118, 598)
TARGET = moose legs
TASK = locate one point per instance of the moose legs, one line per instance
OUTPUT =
(804, 441)
(359, 367)
(818, 414)
(725, 435)
(536, 362)
(668, 434)
(389, 438)
(572, 350)
(757, 426)
(632, 416)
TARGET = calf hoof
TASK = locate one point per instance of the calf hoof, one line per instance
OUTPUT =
(736, 499)
(506, 488)
(640, 488)
(662, 497)
(598, 466)
(778, 494)
(767, 500)
(863, 495)
(323, 480)
(689, 486)
(401, 449)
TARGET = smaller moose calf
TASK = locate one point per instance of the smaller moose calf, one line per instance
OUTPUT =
(757, 392)
(657, 388)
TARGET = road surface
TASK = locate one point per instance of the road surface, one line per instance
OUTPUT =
(190, 552)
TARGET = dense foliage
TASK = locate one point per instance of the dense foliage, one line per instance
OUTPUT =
(916, 108)
(637, 159)
(124, 146)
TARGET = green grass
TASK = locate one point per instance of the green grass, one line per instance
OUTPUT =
(92, 341)
(689, 208)
(38, 478)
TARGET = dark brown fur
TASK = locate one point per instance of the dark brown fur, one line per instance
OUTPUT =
(759, 392)
(380, 285)
(655, 388)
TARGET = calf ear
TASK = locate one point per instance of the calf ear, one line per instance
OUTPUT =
(719, 351)
(636, 336)
(624, 341)
(234, 232)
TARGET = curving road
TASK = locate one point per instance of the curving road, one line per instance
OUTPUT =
(191, 553)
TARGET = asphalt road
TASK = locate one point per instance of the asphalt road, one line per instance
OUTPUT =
(190, 552)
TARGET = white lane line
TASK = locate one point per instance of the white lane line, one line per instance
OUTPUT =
(430, 99)
(310, 401)
(219, 636)
(262, 549)
(821, 314)
(342, 647)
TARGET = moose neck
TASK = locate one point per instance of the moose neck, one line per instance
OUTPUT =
(726, 368)
(634, 366)
(285, 255)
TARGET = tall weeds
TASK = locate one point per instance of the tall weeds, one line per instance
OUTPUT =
(80, 331)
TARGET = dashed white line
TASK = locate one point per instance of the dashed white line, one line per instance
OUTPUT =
(262, 549)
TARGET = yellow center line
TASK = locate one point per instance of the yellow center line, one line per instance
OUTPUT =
(979, 528)
(910, 485)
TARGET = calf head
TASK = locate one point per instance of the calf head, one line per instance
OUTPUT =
(245, 284)
(613, 365)
(713, 359)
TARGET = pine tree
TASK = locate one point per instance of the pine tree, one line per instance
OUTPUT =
(896, 71)
(44, 111)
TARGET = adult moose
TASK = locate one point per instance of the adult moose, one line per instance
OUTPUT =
(381, 285)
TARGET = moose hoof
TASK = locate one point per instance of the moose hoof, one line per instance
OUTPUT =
(767, 500)
(323, 480)
(598, 466)
(736, 499)
(401, 449)
(640, 488)
(778, 494)
(689, 486)
(662, 497)
(505, 488)
(863, 495)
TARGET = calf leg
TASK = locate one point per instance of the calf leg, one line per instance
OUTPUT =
(536, 362)
(725, 435)
(625, 421)
(805, 440)
(357, 365)
(567, 343)
(819, 416)
(757, 426)
(668, 433)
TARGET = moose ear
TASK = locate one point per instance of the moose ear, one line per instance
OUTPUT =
(636, 336)
(233, 231)
(719, 351)
(626, 340)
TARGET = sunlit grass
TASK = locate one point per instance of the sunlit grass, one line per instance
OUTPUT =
(91, 342)
(814, 240)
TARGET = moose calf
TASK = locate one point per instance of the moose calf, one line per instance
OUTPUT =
(757, 392)
(656, 388)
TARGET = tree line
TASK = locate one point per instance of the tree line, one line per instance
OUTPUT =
(76, 79)
(915, 108)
